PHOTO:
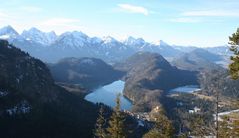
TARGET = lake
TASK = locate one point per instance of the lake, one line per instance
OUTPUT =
(186, 89)
(107, 95)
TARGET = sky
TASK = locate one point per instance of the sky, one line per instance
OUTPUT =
(202, 23)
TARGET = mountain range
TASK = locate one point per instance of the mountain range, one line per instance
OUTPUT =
(50, 47)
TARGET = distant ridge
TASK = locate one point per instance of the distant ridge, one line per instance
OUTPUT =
(198, 60)
(50, 47)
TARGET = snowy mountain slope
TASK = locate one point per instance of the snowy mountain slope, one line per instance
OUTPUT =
(8, 30)
(8, 33)
(38, 36)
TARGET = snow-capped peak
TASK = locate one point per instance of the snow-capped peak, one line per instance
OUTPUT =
(33, 29)
(109, 39)
(38, 36)
(79, 34)
(74, 39)
(133, 41)
(74, 35)
(130, 38)
(8, 32)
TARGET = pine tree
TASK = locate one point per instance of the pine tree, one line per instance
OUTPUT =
(234, 66)
(163, 128)
(198, 127)
(100, 123)
(116, 122)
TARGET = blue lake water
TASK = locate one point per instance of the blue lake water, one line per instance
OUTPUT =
(107, 95)
(186, 89)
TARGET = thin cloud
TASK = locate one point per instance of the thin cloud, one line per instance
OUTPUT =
(133, 9)
(4, 15)
(212, 13)
(61, 25)
(185, 20)
(59, 22)
(31, 9)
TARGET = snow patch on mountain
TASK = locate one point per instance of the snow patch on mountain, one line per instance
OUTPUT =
(87, 61)
(21, 108)
(3, 93)
(4, 36)
(109, 39)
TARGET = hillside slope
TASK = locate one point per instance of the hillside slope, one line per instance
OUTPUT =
(149, 73)
(198, 60)
(89, 73)
(31, 105)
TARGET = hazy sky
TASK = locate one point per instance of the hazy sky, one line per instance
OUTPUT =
(181, 22)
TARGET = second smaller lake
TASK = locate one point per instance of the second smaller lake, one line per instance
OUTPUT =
(186, 89)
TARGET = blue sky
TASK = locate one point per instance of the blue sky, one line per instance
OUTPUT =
(181, 22)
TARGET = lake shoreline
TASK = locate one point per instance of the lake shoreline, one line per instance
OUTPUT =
(108, 93)
(185, 89)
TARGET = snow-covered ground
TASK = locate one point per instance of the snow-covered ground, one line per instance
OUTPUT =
(22, 108)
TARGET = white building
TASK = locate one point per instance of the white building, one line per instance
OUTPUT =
(194, 110)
